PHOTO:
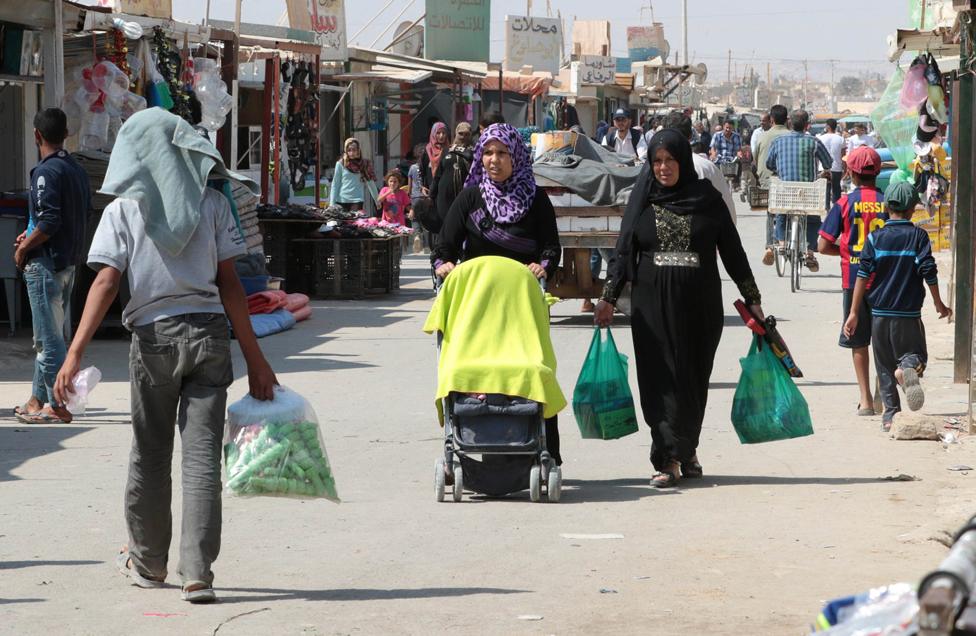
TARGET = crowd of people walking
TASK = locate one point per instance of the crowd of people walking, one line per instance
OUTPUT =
(468, 195)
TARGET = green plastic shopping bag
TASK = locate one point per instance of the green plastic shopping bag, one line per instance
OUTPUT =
(602, 401)
(767, 405)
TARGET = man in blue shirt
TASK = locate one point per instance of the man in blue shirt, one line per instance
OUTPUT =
(725, 147)
(896, 266)
(47, 253)
(794, 157)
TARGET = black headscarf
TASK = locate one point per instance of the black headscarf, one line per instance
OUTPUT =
(690, 194)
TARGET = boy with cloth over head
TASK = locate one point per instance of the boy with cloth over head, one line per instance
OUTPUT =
(896, 265)
(844, 233)
(176, 237)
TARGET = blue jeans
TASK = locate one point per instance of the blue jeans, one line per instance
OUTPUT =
(813, 230)
(597, 256)
(48, 292)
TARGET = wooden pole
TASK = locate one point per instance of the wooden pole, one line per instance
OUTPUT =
(317, 130)
(963, 147)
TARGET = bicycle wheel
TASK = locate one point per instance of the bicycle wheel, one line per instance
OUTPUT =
(778, 252)
(793, 247)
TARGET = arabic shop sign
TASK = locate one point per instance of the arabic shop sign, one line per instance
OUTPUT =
(535, 42)
(595, 70)
(457, 30)
(327, 20)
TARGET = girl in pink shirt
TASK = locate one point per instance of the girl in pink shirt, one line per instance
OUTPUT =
(393, 200)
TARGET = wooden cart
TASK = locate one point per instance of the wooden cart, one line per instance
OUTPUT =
(581, 228)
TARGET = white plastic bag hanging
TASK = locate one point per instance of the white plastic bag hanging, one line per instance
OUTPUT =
(274, 449)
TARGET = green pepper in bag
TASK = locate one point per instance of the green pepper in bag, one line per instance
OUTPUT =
(602, 401)
(767, 405)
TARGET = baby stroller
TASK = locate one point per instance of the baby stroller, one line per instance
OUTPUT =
(495, 387)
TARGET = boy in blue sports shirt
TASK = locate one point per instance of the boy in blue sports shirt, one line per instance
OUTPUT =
(896, 265)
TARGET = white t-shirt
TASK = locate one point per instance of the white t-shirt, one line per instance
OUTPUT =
(857, 140)
(162, 285)
(625, 146)
(754, 140)
(835, 146)
(708, 170)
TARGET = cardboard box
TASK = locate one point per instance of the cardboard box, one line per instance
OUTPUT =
(562, 142)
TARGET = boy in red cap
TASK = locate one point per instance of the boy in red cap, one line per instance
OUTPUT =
(844, 233)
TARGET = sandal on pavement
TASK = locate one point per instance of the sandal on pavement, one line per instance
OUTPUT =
(691, 469)
(23, 410)
(867, 411)
(664, 479)
(124, 564)
(37, 418)
(198, 592)
(913, 389)
(768, 256)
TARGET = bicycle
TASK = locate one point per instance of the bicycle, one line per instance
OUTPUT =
(730, 170)
(796, 200)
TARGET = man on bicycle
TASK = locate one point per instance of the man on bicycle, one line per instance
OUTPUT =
(794, 157)
(725, 147)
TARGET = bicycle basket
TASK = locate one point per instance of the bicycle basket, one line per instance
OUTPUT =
(729, 169)
(797, 196)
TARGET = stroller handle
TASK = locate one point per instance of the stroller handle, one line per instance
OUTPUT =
(439, 282)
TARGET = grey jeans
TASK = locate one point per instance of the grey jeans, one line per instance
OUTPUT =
(179, 370)
(898, 343)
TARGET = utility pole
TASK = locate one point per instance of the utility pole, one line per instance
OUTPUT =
(805, 77)
(729, 78)
(684, 29)
(769, 77)
(833, 93)
(236, 91)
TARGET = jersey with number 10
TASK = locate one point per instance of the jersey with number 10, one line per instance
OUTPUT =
(854, 216)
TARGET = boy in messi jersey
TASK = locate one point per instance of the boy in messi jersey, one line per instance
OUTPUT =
(896, 266)
(854, 216)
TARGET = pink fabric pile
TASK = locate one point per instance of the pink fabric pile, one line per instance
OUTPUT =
(271, 300)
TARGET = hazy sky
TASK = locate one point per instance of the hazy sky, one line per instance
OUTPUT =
(757, 31)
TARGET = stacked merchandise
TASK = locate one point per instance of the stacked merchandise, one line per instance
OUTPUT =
(274, 311)
(247, 212)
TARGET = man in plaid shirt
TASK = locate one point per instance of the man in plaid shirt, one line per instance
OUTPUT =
(794, 157)
(725, 147)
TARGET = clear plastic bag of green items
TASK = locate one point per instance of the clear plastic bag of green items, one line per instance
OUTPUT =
(274, 449)
(767, 405)
(602, 401)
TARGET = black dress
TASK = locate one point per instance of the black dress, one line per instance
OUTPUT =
(449, 180)
(534, 239)
(677, 318)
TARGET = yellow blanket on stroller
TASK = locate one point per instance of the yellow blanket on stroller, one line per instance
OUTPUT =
(495, 322)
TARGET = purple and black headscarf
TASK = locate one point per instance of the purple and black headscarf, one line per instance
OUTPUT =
(509, 201)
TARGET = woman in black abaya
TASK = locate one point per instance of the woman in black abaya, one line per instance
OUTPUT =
(673, 227)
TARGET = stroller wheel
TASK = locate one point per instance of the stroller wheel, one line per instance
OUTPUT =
(439, 478)
(458, 482)
(554, 486)
(535, 483)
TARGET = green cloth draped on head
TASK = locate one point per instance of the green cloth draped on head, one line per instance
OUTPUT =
(162, 163)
